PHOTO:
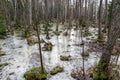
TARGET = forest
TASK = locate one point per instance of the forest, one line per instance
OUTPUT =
(59, 39)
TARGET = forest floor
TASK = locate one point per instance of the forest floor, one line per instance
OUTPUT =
(20, 57)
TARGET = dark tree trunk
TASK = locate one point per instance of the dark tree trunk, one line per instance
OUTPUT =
(99, 21)
(40, 51)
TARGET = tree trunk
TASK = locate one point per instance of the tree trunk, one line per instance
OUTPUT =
(36, 22)
(40, 51)
(113, 35)
(106, 15)
(99, 21)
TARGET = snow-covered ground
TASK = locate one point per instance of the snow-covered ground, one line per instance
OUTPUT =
(22, 57)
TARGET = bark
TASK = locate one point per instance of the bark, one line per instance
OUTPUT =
(30, 12)
(40, 50)
(58, 14)
(99, 21)
(46, 18)
(106, 15)
(110, 17)
(85, 10)
(113, 35)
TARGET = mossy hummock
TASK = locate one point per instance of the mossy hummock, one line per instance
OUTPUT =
(86, 33)
(65, 58)
(56, 33)
(86, 53)
(35, 74)
(47, 46)
(3, 64)
(32, 40)
(77, 74)
(56, 70)
(2, 53)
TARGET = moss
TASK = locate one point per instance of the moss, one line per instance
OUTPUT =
(25, 33)
(2, 37)
(56, 70)
(3, 64)
(86, 53)
(48, 24)
(2, 53)
(35, 74)
(48, 46)
(100, 65)
(2, 28)
(56, 33)
(11, 73)
(100, 72)
(103, 76)
(42, 76)
(86, 33)
(68, 45)
(65, 58)
(95, 77)
(20, 46)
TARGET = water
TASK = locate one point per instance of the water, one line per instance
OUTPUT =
(22, 57)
